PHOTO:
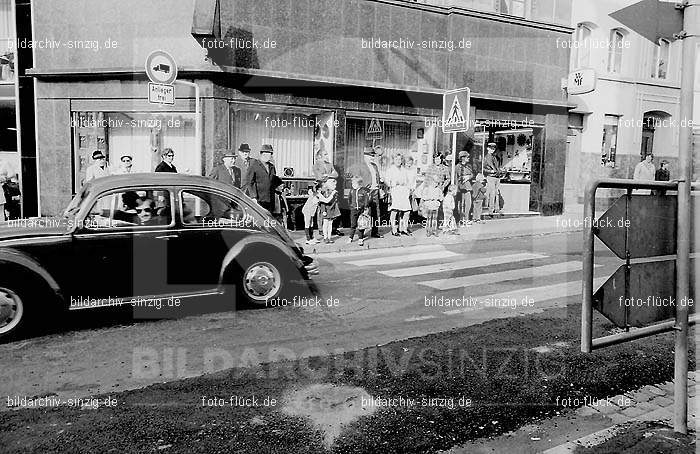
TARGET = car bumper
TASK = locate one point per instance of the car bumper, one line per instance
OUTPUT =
(311, 266)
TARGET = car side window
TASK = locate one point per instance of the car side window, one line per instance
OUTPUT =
(130, 209)
(207, 208)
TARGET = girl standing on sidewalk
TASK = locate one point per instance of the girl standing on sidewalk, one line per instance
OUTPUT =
(449, 225)
(309, 211)
(432, 195)
(328, 207)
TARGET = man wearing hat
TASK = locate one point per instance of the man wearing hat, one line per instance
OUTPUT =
(125, 165)
(166, 165)
(492, 172)
(258, 177)
(99, 168)
(227, 172)
(463, 177)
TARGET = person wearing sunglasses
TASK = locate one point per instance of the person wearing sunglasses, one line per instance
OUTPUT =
(166, 165)
(146, 212)
(125, 165)
(99, 167)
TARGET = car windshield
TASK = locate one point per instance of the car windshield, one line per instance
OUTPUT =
(74, 205)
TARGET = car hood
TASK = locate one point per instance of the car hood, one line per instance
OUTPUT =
(32, 228)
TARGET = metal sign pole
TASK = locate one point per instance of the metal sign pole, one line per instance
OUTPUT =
(691, 26)
(454, 156)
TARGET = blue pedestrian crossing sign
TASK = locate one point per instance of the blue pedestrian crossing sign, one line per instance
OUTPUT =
(455, 110)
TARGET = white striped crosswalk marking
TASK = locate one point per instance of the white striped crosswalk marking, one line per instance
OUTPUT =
(502, 276)
(462, 264)
(420, 318)
(384, 251)
(404, 258)
(538, 294)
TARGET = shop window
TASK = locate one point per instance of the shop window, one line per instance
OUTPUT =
(660, 61)
(617, 43)
(296, 138)
(139, 135)
(583, 46)
(609, 147)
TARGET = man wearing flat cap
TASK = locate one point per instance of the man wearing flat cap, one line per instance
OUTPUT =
(226, 172)
(258, 177)
(99, 168)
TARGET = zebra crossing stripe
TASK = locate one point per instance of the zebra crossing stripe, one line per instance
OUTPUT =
(502, 276)
(462, 264)
(404, 258)
(538, 294)
(383, 251)
(420, 318)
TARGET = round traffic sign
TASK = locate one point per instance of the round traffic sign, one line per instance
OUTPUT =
(161, 67)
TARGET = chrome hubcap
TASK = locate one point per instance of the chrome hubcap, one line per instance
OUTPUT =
(11, 310)
(261, 281)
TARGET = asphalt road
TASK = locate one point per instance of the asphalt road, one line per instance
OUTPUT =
(367, 298)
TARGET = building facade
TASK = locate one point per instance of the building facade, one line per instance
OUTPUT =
(313, 78)
(634, 109)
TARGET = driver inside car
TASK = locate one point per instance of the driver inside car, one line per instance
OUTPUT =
(146, 212)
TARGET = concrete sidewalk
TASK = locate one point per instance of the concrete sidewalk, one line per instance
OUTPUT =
(489, 229)
(593, 424)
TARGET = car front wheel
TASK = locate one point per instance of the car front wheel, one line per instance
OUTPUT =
(261, 281)
(12, 313)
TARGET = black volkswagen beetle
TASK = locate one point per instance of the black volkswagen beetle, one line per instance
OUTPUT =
(146, 237)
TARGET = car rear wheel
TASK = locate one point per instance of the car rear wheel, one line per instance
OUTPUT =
(12, 313)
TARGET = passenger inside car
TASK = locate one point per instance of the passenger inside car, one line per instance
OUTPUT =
(127, 213)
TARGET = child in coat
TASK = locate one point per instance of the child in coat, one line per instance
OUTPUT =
(432, 196)
(449, 225)
(478, 196)
(328, 208)
(359, 204)
(309, 211)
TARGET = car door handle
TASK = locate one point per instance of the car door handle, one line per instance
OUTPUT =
(166, 237)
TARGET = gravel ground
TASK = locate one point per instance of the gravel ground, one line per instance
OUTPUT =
(499, 375)
(644, 438)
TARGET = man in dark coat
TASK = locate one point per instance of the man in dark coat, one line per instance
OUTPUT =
(227, 172)
(258, 178)
(166, 165)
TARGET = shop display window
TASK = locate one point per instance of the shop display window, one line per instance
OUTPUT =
(140, 135)
(298, 138)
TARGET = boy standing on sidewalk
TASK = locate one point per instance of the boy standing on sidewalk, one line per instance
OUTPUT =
(359, 204)
(478, 195)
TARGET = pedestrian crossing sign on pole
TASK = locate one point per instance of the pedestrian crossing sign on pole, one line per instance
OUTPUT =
(375, 129)
(455, 110)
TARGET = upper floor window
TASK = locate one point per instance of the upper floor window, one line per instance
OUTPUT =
(515, 7)
(583, 46)
(615, 46)
(662, 53)
(7, 42)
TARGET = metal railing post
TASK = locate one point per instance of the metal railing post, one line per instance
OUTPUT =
(588, 255)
